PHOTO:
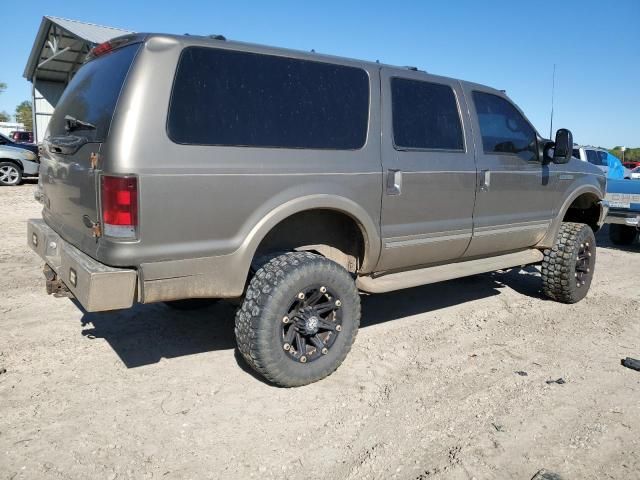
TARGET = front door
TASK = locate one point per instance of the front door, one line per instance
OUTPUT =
(516, 191)
(429, 168)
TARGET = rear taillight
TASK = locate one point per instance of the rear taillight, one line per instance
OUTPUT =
(108, 46)
(119, 206)
(100, 49)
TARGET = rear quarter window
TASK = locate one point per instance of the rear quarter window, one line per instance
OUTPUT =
(229, 98)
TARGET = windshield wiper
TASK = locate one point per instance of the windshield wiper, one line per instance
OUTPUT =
(71, 124)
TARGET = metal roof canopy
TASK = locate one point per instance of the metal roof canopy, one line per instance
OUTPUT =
(59, 50)
(61, 46)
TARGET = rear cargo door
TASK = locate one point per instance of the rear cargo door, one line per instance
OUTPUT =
(78, 127)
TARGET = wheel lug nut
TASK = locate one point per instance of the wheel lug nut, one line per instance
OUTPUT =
(338, 328)
(303, 359)
(285, 319)
(325, 350)
(287, 347)
(301, 296)
(338, 303)
(323, 289)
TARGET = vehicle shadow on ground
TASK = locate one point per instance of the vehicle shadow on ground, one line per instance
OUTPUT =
(602, 241)
(145, 334)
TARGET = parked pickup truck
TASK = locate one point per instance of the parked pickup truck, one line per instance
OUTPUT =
(292, 181)
(623, 200)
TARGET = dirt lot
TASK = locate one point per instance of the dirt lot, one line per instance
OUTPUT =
(429, 391)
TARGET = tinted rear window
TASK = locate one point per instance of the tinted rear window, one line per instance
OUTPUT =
(425, 115)
(92, 94)
(222, 97)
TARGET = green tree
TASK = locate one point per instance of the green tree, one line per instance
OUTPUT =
(4, 117)
(630, 155)
(3, 87)
(24, 114)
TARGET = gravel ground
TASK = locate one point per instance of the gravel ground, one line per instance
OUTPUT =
(446, 381)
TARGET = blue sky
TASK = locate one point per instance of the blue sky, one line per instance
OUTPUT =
(509, 45)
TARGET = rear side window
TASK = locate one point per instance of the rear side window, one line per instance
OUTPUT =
(503, 128)
(576, 153)
(425, 116)
(593, 157)
(222, 97)
(92, 94)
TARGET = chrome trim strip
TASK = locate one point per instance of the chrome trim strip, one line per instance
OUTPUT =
(510, 228)
(422, 239)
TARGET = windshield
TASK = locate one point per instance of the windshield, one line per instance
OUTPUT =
(92, 95)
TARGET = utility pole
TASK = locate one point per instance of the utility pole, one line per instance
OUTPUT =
(553, 87)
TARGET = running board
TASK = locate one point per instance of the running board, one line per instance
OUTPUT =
(423, 276)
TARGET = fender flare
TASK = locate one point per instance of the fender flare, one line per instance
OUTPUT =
(369, 229)
(550, 237)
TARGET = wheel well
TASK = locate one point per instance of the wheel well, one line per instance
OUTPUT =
(584, 209)
(11, 160)
(330, 233)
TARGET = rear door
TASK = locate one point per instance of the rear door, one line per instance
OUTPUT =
(67, 176)
(516, 191)
(429, 168)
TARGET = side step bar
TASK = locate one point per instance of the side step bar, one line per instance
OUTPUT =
(423, 276)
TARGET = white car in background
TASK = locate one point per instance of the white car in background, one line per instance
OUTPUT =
(598, 157)
(635, 173)
(15, 164)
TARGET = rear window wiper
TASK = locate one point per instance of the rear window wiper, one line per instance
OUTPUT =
(71, 124)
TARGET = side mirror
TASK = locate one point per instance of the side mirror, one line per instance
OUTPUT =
(563, 147)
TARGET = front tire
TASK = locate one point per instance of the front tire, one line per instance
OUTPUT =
(298, 320)
(567, 267)
(10, 174)
(622, 234)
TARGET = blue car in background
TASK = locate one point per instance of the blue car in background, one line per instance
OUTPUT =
(623, 200)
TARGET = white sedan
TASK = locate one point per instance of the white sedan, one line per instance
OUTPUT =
(635, 173)
(16, 163)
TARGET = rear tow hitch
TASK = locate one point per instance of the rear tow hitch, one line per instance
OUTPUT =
(55, 286)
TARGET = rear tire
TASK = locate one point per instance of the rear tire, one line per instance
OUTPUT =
(567, 267)
(298, 320)
(622, 234)
(10, 174)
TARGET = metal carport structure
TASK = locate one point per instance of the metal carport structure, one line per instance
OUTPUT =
(58, 51)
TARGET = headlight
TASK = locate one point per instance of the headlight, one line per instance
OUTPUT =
(29, 155)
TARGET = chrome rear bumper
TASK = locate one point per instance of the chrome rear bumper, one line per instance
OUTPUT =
(96, 286)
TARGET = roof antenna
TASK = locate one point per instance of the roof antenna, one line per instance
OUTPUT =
(553, 87)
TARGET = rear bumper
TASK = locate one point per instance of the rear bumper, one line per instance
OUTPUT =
(96, 286)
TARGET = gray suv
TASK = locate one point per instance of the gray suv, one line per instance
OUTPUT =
(183, 168)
